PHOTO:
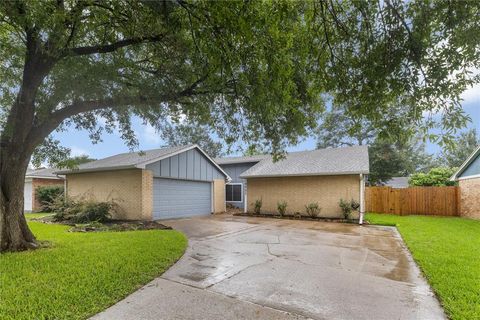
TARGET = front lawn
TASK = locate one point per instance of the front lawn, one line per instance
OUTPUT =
(448, 252)
(81, 274)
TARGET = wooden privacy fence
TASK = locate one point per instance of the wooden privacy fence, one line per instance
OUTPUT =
(438, 201)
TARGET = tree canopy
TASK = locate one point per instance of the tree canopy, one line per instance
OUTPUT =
(185, 134)
(455, 154)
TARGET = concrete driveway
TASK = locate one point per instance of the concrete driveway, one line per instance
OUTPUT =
(254, 268)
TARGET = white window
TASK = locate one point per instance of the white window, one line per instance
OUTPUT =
(234, 192)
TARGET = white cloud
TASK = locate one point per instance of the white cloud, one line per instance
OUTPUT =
(77, 151)
(151, 135)
(471, 95)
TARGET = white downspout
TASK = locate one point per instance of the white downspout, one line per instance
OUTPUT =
(65, 189)
(245, 200)
(362, 198)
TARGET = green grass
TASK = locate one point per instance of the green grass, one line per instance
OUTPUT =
(448, 252)
(82, 273)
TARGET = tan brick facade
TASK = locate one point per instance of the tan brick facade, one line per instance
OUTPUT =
(40, 182)
(300, 191)
(470, 198)
(147, 194)
(131, 189)
(219, 204)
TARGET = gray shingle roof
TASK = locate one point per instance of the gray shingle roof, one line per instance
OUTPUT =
(126, 160)
(46, 173)
(397, 182)
(331, 161)
(245, 159)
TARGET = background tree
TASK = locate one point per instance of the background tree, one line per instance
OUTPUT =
(185, 134)
(455, 154)
(389, 157)
(253, 71)
(338, 129)
(397, 159)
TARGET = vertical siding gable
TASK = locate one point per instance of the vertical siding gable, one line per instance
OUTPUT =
(182, 165)
(165, 167)
(189, 165)
(472, 169)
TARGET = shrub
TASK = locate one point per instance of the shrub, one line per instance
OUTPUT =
(347, 207)
(282, 207)
(82, 211)
(257, 206)
(46, 195)
(94, 212)
(313, 210)
(435, 177)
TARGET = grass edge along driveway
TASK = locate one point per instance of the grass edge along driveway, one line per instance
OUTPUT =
(81, 274)
(447, 249)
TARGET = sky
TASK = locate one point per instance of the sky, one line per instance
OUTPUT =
(80, 144)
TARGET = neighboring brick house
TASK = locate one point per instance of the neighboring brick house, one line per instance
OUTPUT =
(35, 179)
(468, 177)
(323, 176)
(155, 184)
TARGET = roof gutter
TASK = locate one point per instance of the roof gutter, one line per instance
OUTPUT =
(305, 174)
(73, 171)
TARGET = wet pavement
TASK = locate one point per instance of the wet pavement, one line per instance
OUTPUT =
(260, 268)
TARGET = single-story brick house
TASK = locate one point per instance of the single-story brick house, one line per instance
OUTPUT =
(155, 184)
(324, 176)
(35, 179)
(184, 181)
(468, 177)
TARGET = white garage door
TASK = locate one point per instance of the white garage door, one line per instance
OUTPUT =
(181, 198)
(27, 196)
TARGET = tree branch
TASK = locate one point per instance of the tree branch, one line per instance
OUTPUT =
(106, 48)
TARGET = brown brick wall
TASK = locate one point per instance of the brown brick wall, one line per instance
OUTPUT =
(40, 182)
(470, 198)
(123, 186)
(219, 204)
(299, 191)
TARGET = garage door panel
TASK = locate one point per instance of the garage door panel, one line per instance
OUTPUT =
(180, 198)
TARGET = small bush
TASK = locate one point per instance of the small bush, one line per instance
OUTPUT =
(82, 211)
(46, 195)
(282, 208)
(257, 206)
(313, 210)
(94, 212)
(347, 207)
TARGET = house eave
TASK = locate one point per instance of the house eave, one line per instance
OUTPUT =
(465, 165)
(75, 171)
(306, 174)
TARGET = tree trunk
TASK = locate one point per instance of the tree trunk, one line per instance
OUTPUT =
(14, 232)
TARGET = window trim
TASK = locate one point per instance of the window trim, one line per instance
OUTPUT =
(241, 191)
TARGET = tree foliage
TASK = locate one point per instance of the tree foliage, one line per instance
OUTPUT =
(337, 129)
(388, 157)
(397, 159)
(455, 154)
(185, 134)
(435, 177)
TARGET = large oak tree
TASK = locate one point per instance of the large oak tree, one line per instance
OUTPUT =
(251, 70)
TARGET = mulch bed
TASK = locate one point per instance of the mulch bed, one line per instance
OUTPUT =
(113, 225)
(120, 226)
(290, 217)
